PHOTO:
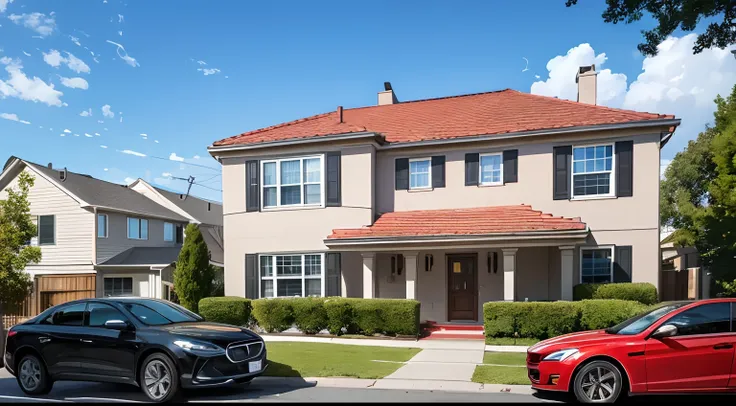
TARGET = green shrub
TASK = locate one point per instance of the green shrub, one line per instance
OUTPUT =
(228, 310)
(386, 316)
(600, 314)
(641, 292)
(273, 315)
(499, 318)
(584, 291)
(339, 315)
(310, 316)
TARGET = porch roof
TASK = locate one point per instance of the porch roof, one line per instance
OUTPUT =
(470, 222)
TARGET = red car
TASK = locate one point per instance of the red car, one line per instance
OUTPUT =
(677, 347)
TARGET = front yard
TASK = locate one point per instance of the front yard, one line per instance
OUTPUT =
(507, 368)
(329, 360)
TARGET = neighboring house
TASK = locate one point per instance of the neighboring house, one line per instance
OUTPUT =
(682, 275)
(453, 201)
(97, 238)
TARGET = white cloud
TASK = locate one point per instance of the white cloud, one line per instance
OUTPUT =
(75, 40)
(76, 135)
(127, 58)
(107, 111)
(88, 135)
(24, 52)
(129, 180)
(176, 158)
(38, 22)
(67, 131)
(76, 64)
(75, 83)
(97, 134)
(195, 157)
(62, 135)
(166, 174)
(13, 117)
(675, 81)
(4, 5)
(120, 33)
(121, 18)
(86, 113)
(202, 62)
(105, 169)
(31, 89)
(103, 146)
(156, 141)
(129, 152)
(55, 59)
(100, 121)
(208, 72)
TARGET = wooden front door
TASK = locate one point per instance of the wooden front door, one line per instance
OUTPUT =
(462, 295)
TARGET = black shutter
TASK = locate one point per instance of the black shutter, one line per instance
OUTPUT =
(252, 186)
(333, 193)
(402, 174)
(332, 283)
(622, 264)
(511, 166)
(46, 232)
(562, 162)
(251, 276)
(471, 169)
(625, 168)
(438, 171)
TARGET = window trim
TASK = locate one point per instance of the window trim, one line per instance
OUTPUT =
(429, 174)
(38, 229)
(302, 183)
(173, 231)
(480, 169)
(107, 225)
(612, 180)
(597, 247)
(302, 277)
(140, 220)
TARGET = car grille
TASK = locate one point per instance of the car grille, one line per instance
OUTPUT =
(534, 375)
(239, 352)
(221, 367)
(533, 358)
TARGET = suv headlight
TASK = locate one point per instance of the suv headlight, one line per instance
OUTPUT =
(197, 346)
(560, 355)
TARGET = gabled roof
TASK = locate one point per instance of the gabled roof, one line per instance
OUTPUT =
(458, 222)
(491, 113)
(201, 210)
(145, 256)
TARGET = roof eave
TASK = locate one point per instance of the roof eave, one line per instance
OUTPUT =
(528, 235)
(137, 213)
(377, 138)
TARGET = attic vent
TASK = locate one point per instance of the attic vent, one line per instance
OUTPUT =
(62, 175)
(50, 166)
(181, 197)
(209, 206)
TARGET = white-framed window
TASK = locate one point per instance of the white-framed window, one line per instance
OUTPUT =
(292, 275)
(118, 287)
(491, 169)
(596, 264)
(168, 232)
(420, 173)
(102, 226)
(292, 182)
(137, 229)
(592, 170)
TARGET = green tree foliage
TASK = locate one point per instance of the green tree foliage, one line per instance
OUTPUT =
(698, 195)
(193, 275)
(673, 14)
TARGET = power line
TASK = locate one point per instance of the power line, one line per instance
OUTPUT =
(186, 163)
(207, 187)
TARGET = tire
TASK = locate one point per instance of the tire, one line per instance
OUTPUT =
(158, 378)
(32, 376)
(598, 382)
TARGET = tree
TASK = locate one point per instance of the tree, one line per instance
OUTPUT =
(16, 229)
(193, 275)
(698, 195)
(671, 14)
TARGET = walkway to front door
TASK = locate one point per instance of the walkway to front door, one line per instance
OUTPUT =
(462, 278)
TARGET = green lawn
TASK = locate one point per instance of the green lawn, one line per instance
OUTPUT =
(510, 369)
(322, 360)
(511, 341)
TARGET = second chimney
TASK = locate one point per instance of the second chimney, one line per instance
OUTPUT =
(587, 84)
(387, 96)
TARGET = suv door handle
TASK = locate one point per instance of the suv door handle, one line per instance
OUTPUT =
(43, 339)
(723, 346)
(85, 341)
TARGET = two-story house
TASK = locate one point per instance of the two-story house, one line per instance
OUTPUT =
(97, 238)
(453, 201)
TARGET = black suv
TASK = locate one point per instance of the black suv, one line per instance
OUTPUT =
(154, 344)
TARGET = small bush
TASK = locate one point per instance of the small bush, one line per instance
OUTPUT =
(600, 314)
(641, 292)
(310, 316)
(273, 315)
(339, 315)
(228, 310)
(584, 291)
(386, 316)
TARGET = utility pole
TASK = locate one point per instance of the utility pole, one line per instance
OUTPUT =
(189, 180)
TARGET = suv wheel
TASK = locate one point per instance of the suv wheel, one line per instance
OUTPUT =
(32, 376)
(158, 378)
(598, 382)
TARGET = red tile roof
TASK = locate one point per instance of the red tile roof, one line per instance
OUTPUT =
(499, 112)
(474, 221)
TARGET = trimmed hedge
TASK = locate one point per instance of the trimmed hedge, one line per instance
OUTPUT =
(542, 320)
(642, 292)
(227, 310)
(338, 315)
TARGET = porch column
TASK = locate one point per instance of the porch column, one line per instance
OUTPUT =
(410, 259)
(369, 276)
(509, 273)
(566, 278)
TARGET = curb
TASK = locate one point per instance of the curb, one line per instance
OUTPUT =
(506, 348)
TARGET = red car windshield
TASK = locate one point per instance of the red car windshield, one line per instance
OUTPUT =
(637, 324)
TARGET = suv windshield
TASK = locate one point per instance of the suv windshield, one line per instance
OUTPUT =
(637, 324)
(157, 313)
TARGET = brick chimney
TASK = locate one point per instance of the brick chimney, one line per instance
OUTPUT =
(387, 96)
(587, 84)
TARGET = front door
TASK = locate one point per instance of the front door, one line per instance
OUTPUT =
(462, 285)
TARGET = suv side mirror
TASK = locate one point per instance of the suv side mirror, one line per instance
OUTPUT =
(116, 325)
(668, 330)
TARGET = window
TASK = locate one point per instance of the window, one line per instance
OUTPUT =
(491, 169)
(592, 173)
(292, 275)
(102, 226)
(596, 265)
(292, 182)
(137, 229)
(46, 230)
(637, 324)
(168, 232)
(179, 234)
(72, 315)
(118, 287)
(420, 173)
(156, 313)
(100, 313)
(706, 319)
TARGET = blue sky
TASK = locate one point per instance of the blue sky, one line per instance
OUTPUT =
(269, 62)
